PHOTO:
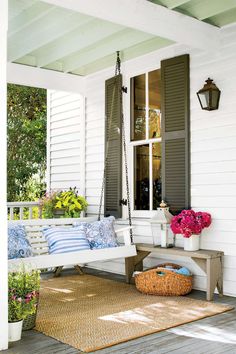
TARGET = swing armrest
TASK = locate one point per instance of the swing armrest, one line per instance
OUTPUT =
(124, 231)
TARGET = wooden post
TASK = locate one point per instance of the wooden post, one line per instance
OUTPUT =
(3, 177)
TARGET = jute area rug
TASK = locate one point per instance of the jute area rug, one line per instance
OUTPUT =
(91, 313)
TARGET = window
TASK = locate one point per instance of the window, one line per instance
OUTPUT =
(160, 158)
(146, 139)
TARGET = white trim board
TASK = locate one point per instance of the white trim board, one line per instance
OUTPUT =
(43, 78)
(148, 17)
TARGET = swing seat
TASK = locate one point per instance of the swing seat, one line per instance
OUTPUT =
(41, 259)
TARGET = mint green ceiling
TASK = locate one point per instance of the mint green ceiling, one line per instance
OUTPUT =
(55, 38)
(215, 12)
(46, 36)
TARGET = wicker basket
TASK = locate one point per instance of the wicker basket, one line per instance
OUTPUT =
(164, 282)
(29, 321)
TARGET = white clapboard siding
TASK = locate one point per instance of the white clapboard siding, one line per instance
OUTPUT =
(64, 153)
(213, 150)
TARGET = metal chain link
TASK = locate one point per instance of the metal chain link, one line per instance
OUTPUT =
(118, 63)
(126, 172)
(118, 72)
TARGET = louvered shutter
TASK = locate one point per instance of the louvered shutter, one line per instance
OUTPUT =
(113, 147)
(175, 132)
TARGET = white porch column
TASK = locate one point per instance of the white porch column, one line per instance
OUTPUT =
(3, 177)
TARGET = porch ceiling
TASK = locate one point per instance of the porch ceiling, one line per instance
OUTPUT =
(216, 12)
(47, 35)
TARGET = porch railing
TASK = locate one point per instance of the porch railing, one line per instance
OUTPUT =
(24, 210)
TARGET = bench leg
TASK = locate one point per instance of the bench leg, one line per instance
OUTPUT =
(219, 284)
(214, 277)
(134, 263)
(57, 271)
(129, 269)
(79, 269)
(213, 267)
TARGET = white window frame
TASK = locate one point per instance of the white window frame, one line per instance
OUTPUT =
(131, 144)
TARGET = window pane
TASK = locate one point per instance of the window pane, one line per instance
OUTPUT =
(138, 108)
(141, 175)
(156, 171)
(154, 92)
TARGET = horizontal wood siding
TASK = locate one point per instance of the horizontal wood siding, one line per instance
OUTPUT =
(64, 140)
(213, 151)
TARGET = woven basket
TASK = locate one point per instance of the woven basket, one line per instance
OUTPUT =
(29, 321)
(164, 282)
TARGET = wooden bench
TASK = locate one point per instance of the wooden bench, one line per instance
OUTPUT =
(211, 262)
(43, 260)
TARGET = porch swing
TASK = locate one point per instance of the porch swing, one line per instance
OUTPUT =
(41, 258)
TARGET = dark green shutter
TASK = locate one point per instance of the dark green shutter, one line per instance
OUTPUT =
(175, 132)
(113, 150)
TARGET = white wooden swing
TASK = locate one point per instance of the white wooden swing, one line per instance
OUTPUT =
(42, 259)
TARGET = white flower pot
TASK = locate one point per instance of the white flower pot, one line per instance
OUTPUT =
(14, 331)
(192, 243)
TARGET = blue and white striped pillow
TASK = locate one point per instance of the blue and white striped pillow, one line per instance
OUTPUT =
(65, 239)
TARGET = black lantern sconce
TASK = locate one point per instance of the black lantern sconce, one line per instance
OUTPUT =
(209, 96)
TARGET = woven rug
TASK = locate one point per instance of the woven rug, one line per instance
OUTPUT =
(91, 313)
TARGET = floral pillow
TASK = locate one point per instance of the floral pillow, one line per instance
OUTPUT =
(18, 245)
(100, 234)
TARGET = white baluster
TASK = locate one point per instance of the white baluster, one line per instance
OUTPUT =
(11, 213)
(30, 213)
(21, 213)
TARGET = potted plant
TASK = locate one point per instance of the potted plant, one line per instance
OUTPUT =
(23, 288)
(67, 204)
(190, 224)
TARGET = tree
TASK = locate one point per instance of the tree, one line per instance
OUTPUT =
(26, 159)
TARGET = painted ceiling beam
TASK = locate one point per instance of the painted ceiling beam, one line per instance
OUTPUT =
(148, 17)
(206, 8)
(86, 35)
(16, 7)
(151, 45)
(43, 78)
(43, 31)
(110, 45)
(171, 4)
(28, 16)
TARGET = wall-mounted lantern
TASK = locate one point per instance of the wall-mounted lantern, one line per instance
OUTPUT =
(160, 224)
(209, 96)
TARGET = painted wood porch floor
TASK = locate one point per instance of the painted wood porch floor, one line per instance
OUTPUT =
(213, 335)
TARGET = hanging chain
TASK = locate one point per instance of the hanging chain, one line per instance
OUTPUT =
(118, 63)
(117, 73)
(126, 167)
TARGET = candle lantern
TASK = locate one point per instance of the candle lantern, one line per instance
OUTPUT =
(160, 224)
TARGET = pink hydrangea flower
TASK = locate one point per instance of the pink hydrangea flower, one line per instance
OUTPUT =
(189, 222)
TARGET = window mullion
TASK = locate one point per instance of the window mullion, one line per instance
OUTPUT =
(147, 106)
(150, 178)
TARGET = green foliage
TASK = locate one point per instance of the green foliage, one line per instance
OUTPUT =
(26, 158)
(69, 201)
(48, 203)
(23, 288)
(16, 214)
